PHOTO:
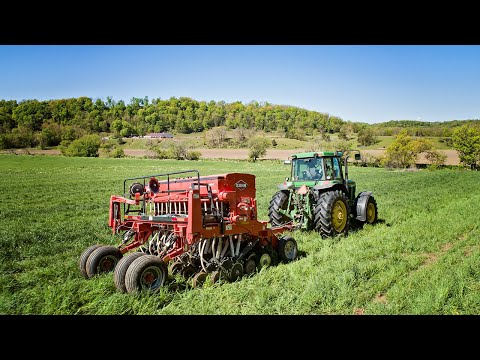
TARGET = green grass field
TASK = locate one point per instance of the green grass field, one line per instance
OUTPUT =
(423, 257)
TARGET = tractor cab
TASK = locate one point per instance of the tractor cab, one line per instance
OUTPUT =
(320, 170)
(316, 166)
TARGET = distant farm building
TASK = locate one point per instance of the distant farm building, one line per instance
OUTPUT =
(158, 135)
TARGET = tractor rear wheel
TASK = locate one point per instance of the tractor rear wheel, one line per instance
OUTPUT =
(84, 258)
(103, 260)
(332, 214)
(147, 272)
(121, 270)
(278, 201)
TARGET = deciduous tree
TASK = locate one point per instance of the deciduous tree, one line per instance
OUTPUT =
(403, 151)
(466, 140)
(258, 146)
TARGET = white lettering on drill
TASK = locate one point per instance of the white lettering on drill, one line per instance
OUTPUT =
(241, 185)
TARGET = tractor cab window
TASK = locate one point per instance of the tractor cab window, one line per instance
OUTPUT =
(308, 169)
(337, 168)
(332, 168)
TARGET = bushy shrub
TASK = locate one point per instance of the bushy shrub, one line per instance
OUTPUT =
(403, 151)
(368, 160)
(19, 138)
(117, 153)
(178, 150)
(86, 146)
(193, 155)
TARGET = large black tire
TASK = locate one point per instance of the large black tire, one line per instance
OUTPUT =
(279, 201)
(332, 214)
(147, 272)
(84, 258)
(121, 270)
(287, 248)
(103, 260)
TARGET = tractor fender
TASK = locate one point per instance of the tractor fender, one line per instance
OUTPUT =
(287, 186)
(361, 205)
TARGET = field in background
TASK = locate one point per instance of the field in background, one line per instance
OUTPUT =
(237, 154)
(423, 257)
(197, 140)
(284, 148)
(139, 147)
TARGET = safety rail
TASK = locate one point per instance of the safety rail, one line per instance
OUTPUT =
(159, 175)
(179, 207)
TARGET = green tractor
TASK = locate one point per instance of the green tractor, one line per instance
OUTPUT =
(319, 196)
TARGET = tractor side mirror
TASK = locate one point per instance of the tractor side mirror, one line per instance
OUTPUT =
(287, 162)
(357, 156)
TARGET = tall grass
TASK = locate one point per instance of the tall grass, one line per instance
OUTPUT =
(422, 257)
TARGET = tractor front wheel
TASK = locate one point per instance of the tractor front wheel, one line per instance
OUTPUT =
(332, 214)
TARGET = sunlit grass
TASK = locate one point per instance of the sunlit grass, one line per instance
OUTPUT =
(422, 257)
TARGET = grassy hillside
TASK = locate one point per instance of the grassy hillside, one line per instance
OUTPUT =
(422, 258)
(197, 140)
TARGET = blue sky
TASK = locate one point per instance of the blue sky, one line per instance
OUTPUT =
(367, 83)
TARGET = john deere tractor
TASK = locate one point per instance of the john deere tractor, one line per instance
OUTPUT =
(319, 196)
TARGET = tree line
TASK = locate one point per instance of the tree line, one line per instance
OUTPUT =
(74, 124)
(420, 128)
(46, 123)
